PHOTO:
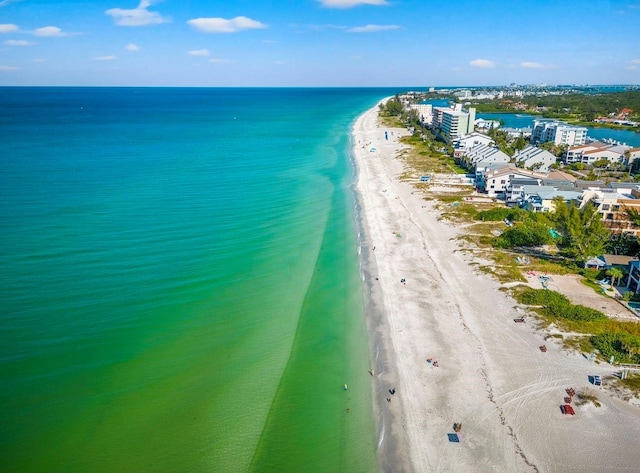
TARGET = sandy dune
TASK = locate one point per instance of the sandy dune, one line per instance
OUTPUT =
(491, 375)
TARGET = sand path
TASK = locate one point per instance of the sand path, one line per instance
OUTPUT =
(491, 376)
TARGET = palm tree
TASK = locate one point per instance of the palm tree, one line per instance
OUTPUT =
(615, 275)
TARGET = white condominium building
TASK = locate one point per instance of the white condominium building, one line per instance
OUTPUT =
(425, 112)
(560, 133)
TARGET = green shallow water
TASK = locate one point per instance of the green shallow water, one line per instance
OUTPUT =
(181, 281)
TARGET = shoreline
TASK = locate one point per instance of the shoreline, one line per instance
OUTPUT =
(490, 376)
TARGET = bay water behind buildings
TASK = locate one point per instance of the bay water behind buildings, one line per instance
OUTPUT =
(523, 120)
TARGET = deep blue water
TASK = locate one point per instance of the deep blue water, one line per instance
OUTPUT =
(180, 281)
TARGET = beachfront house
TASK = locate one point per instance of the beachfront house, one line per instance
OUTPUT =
(496, 182)
(467, 142)
(633, 281)
(519, 189)
(543, 198)
(604, 262)
(613, 204)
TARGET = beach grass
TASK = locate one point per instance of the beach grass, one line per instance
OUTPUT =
(632, 382)
(587, 396)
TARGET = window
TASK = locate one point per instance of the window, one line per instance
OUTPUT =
(605, 206)
(609, 216)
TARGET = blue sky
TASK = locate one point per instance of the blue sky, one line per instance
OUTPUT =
(318, 42)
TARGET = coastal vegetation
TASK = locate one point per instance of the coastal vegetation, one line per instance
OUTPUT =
(578, 233)
(505, 143)
(498, 214)
(517, 246)
(578, 107)
(570, 107)
(556, 242)
(610, 337)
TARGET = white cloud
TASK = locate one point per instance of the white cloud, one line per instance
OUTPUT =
(138, 16)
(4, 3)
(372, 28)
(198, 52)
(8, 68)
(105, 58)
(531, 65)
(222, 25)
(484, 63)
(350, 3)
(132, 47)
(50, 31)
(635, 61)
(8, 28)
(19, 42)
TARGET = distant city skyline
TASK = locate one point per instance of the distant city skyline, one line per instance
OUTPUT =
(353, 43)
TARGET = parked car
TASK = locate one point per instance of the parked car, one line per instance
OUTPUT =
(597, 381)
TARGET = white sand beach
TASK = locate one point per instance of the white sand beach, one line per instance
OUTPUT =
(491, 375)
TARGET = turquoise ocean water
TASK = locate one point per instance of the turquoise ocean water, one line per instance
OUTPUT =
(180, 281)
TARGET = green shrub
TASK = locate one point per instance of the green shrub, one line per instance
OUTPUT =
(524, 234)
(623, 347)
(590, 273)
(578, 313)
(557, 305)
(500, 213)
(541, 297)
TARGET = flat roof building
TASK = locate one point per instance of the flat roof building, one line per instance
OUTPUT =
(456, 123)
(545, 130)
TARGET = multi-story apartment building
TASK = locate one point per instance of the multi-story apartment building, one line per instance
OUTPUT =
(612, 204)
(545, 130)
(596, 151)
(425, 112)
(496, 181)
(456, 123)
